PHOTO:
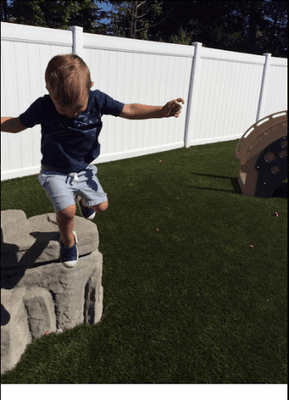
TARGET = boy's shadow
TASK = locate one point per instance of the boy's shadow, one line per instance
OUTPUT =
(11, 275)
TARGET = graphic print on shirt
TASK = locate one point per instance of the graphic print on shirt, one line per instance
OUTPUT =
(90, 124)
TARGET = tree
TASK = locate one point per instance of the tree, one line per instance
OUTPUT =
(4, 10)
(54, 14)
(134, 18)
(244, 26)
(276, 28)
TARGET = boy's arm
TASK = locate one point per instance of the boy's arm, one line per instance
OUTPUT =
(12, 125)
(141, 111)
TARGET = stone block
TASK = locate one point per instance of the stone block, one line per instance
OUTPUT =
(38, 294)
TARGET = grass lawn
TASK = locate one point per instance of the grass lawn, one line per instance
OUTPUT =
(186, 299)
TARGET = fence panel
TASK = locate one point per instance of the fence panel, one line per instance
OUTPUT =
(276, 97)
(228, 95)
(150, 73)
(225, 92)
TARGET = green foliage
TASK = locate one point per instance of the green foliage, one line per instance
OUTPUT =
(182, 37)
(245, 26)
(57, 14)
(134, 18)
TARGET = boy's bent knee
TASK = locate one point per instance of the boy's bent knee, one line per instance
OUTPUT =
(67, 212)
(100, 208)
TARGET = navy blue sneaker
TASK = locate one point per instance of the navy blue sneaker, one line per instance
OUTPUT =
(69, 255)
(86, 212)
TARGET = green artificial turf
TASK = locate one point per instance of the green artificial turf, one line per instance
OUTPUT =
(186, 299)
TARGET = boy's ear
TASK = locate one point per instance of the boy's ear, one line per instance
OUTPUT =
(92, 83)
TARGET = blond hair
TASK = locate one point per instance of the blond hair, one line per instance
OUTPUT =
(66, 76)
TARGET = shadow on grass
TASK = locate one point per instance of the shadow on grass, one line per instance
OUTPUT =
(280, 192)
(234, 183)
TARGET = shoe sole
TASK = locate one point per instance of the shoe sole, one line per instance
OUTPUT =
(71, 264)
(78, 198)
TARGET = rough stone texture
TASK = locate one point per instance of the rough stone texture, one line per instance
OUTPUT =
(38, 294)
(30, 241)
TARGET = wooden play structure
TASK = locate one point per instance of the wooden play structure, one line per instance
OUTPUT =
(263, 154)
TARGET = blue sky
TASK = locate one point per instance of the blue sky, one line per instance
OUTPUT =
(104, 7)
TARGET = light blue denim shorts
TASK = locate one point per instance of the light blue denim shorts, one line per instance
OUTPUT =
(61, 189)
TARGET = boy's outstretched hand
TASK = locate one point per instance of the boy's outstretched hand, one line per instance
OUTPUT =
(141, 111)
(172, 108)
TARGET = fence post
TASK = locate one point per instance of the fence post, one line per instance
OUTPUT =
(193, 93)
(264, 84)
(77, 40)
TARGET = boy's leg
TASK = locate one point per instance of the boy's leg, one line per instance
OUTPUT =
(91, 191)
(100, 208)
(65, 221)
(60, 190)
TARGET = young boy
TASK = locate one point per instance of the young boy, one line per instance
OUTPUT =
(70, 118)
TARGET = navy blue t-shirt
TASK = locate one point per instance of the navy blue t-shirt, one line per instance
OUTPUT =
(68, 144)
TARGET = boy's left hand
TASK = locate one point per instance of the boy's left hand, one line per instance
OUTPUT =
(172, 108)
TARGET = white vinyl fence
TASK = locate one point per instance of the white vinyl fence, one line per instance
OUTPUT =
(225, 92)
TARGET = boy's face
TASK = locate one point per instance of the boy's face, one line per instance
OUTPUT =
(71, 111)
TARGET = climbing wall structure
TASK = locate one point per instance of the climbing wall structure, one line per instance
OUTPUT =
(262, 151)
